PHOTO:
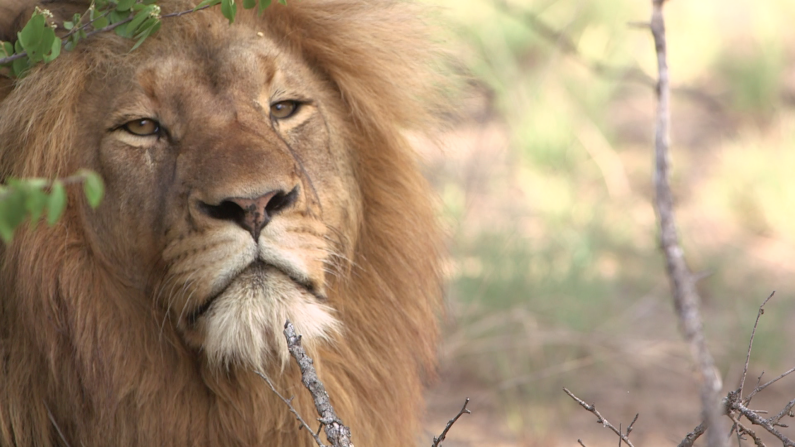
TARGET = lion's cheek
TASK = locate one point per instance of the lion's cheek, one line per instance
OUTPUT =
(244, 326)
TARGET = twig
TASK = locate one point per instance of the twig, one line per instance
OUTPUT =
(438, 441)
(751, 343)
(336, 432)
(292, 410)
(55, 424)
(602, 420)
(758, 420)
(774, 420)
(742, 429)
(762, 387)
(686, 299)
(693, 435)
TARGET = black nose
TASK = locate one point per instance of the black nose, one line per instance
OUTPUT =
(252, 214)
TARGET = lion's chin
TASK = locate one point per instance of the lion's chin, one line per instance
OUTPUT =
(243, 325)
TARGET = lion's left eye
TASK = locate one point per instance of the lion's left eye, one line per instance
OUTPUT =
(143, 127)
(284, 109)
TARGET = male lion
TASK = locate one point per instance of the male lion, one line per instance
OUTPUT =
(255, 173)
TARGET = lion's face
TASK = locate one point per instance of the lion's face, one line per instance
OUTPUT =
(229, 196)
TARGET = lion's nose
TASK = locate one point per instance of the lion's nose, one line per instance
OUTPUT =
(251, 214)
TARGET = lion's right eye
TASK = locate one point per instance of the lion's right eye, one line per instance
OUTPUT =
(143, 127)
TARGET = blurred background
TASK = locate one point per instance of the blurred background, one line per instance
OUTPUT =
(555, 277)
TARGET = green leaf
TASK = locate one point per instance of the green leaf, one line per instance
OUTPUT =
(20, 66)
(92, 186)
(100, 22)
(55, 51)
(7, 49)
(73, 39)
(229, 10)
(140, 16)
(207, 3)
(118, 16)
(124, 5)
(56, 203)
(147, 29)
(283, 2)
(68, 25)
(262, 5)
(248, 4)
(35, 200)
(33, 32)
(12, 211)
(101, 5)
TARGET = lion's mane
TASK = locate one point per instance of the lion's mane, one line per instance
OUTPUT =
(82, 362)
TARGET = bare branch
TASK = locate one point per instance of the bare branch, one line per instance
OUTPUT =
(686, 299)
(775, 420)
(602, 420)
(762, 387)
(438, 441)
(292, 410)
(741, 429)
(336, 432)
(693, 435)
(751, 343)
(755, 419)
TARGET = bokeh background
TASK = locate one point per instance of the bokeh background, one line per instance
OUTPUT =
(555, 277)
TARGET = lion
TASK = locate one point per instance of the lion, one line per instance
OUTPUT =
(255, 173)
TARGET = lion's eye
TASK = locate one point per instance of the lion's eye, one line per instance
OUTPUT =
(143, 127)
(284, 109)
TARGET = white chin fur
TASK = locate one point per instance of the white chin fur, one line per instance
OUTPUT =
(244, 325)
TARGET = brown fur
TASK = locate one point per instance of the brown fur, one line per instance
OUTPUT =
(94, 350)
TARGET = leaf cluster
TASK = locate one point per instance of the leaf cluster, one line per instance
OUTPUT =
(37, 41)
(229, 8)
(31, 197)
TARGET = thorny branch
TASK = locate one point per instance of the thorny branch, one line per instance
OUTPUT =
(292, 409)
(336, 432)
(438, 441)
(592, 408)
(686, 299)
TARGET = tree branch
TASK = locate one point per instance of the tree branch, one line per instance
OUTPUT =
(686, 299)
(336, 432)
(438, 441)
(292, 409)
(751, 344)
(592, 408)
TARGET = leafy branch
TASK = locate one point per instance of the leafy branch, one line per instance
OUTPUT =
(134, 19)
(31, 197)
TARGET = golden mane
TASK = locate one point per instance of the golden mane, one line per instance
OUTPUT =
(79, 359)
